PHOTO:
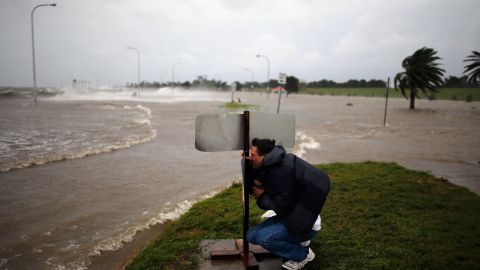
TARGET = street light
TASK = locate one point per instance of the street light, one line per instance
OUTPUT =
(173, 76)
(173, 72)
(247, 69)
(33, 51)
(268, 71)
(138, 66)
(219, 84)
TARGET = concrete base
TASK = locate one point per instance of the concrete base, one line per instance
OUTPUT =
(206, 263)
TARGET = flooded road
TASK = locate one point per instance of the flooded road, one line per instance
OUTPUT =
(62, 214)
(442, 137)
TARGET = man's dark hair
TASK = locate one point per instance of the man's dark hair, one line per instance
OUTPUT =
(264, 146)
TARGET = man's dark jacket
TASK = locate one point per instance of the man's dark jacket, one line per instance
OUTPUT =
(294, 189)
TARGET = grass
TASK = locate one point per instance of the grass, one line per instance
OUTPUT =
(461, 94)
(377, 216)
(238, 106)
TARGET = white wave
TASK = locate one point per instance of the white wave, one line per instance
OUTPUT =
(363, 135)
(304, 142)
(116, 242)
(165, 94)
(142, 122)
(71, 246)
(4, 261)
(143, 111)
(76, 265)
(42, 158)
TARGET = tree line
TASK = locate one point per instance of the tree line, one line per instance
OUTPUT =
(421, 73)
(202, 81)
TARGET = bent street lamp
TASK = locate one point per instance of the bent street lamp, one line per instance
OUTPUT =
(33, 50)
(247, 69)
(173, 76)
(268, 71)
(138, 63)
(173, 72)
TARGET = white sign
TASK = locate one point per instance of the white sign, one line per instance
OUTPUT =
(223, 132)
(282, 78)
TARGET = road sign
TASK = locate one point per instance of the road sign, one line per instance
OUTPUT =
(282, 78)
(223, 132)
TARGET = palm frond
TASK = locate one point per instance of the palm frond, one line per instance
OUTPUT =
(421, 71)
(472, 71)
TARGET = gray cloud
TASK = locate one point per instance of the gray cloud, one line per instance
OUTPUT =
(310, 39)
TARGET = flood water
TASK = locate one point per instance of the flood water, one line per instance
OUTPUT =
(83, 172)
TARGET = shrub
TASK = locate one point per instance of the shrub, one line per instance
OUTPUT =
(469, 98)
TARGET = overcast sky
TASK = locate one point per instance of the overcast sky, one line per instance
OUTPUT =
(310, 39)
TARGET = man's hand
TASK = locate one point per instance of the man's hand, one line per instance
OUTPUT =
(257, 192)
(257, 189)
(247, 158)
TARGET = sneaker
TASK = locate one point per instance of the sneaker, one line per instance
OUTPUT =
(305, 244)
(292, 265)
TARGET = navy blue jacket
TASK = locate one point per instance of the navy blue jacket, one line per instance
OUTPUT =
(294, 189)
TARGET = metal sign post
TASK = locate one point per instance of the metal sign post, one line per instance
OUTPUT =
(386, 103)
(233, 132)
(246, 205)
(282, 79)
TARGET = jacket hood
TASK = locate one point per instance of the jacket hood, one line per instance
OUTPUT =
(273, 157)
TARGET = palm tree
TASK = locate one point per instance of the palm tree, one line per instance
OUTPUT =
(421, 72)
(473, 70)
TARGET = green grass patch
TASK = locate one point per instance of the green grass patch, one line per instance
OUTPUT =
(238, 106)
(460, 94)
(377, 216)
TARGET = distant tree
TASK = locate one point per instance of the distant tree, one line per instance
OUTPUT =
(473, 70)
(223, 86)
(302, 86)
(453, 81)
(186, 84)
(376, 83)
(324, 83)
(362, 83)
(238, 86)
(273, 83)
(421, 73)
(352, 83)
(291, 84)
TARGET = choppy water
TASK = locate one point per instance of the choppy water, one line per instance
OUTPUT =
(59, 215)
(66, 196)
(35, 135)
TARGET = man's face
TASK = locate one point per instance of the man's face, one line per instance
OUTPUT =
(255, 158)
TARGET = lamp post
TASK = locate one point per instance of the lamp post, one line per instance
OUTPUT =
(268, 71)
(173, 72)
(33, 50)
(138, 63)
(247, 69)
(173, 76)
(219, 84)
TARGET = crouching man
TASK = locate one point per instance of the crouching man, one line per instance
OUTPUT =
(296, 191)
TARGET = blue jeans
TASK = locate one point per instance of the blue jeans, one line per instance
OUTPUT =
(272, 235)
